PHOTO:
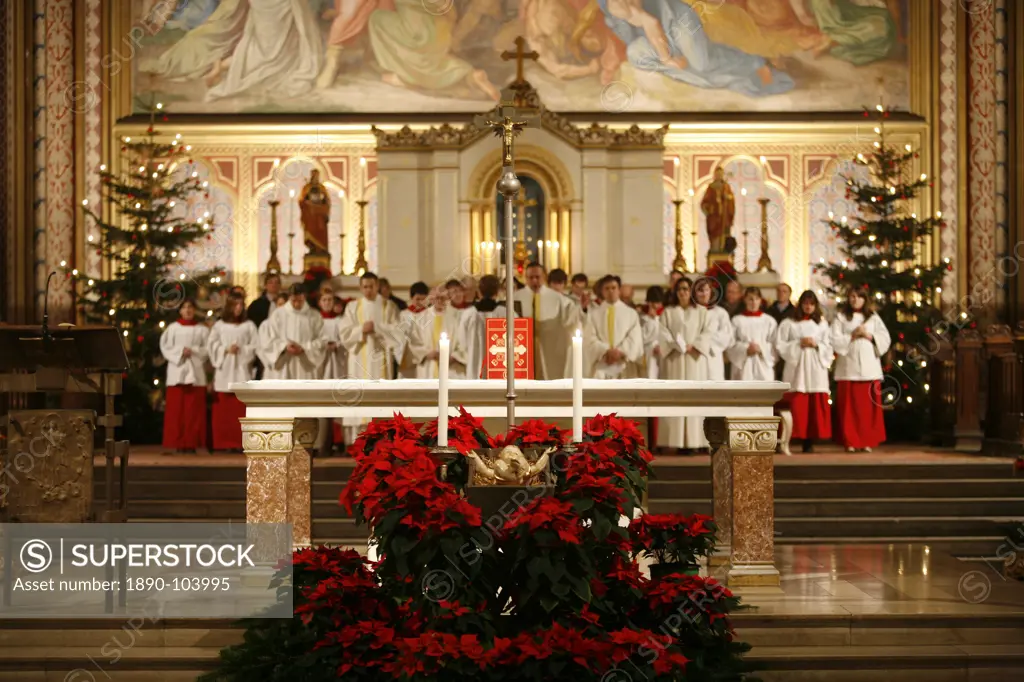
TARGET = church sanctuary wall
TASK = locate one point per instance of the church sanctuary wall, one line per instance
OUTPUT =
(96, 66)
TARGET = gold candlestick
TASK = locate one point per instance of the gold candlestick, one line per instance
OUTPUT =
(291, 253)
(273, 265)
(361, 265)
(680, 262)
(764, 263)
(693, 238)
(745, 269)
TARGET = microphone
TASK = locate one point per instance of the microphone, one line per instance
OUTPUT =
(47, 337)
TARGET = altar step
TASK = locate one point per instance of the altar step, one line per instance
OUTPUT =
(968, 647)
(804, 648)
(963, 507)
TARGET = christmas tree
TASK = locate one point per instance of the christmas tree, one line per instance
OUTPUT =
(885, 248)
(139, 242)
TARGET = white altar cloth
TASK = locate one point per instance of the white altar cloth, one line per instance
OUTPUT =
(417, 398)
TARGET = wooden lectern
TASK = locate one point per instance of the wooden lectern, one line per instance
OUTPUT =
(47, 464)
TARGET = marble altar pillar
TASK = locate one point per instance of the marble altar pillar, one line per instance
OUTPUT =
(747, 493)
(278, 473)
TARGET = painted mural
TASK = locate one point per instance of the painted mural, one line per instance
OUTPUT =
(375, 56)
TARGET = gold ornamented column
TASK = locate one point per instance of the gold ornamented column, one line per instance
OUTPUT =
(721, 487)
(749, 443)
(278, 473)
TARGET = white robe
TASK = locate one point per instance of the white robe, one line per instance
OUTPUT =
(650, 329)
(720, 327)
(335, 362)
(303, 327)
(425, 337)
(263, 341)
(598, 339)
(557, 319)
(231, 367)
(759, 329)
(370, 355)
(280, 53)
(408, 321)
(805, 369)
(190, 371)
(859, 359)
(471, 338)
(680, 328)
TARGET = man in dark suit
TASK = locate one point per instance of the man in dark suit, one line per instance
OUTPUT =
(783, 306)
(260, 309)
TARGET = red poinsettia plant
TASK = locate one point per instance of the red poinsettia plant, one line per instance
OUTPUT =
(548, 588)
(673, 538)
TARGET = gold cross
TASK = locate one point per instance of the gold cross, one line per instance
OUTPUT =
(506, 129)
(519, 55)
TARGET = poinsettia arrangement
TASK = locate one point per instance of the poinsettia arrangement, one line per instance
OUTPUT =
(548, 590)
(673, 538)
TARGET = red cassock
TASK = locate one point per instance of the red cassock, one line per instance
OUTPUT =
(185, 417)
(227, 430)
(812, 415)
(859, 419)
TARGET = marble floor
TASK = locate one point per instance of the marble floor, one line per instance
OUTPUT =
(898, 579)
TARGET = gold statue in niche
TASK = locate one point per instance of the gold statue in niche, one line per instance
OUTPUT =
(315, 211)
(719, 207)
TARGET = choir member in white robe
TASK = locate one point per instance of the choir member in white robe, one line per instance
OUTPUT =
(184, 344)
(408, 320)
(719, 325)
(804, 344)
(752, 353)
(556, 317)
(425, 338)
(612, 339)
(334, 366)
(488, 304)
(371, 336)
(860, 339)
(650, 328)
(685, 352)
(471, 328)
(233, 342)
(294, 345)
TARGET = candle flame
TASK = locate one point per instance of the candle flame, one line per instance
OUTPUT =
(579, 334)
(444, 336)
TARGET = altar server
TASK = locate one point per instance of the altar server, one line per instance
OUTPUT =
(471, 326)
(555, 319)
(184, 345)
(233, 342)
(335, 362)
(425, 338)
(488, 304)
(369, 332)
(408, 320)
(293, 346)
(804, 344)
(719, 325)
(752, 353)
(650, 327)
(860, 339)
(684, 347)
(612, 337)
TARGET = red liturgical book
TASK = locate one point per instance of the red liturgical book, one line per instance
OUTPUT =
(494, 367)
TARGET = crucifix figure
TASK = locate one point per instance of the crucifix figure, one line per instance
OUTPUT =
(519, 55)
(506, 129)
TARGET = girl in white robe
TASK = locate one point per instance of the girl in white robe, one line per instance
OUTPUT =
(752, 353)
(184, 345)
(294, 344)
(860, 339)
(612, 339)
(684, 348)
(804, 344)
(650, 328)
(233, 342)
(719, 327)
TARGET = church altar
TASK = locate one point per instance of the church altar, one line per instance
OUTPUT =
(280, 428)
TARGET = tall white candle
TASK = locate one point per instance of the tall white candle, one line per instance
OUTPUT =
(577, 387)
(442, 392)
